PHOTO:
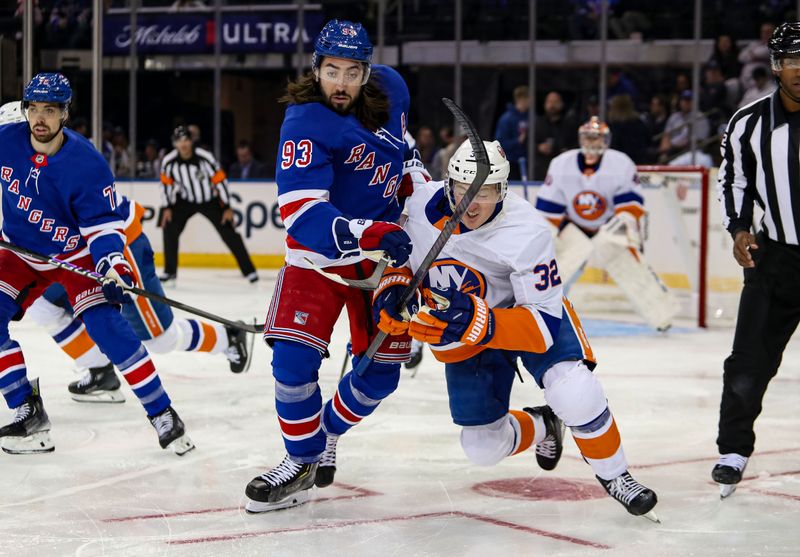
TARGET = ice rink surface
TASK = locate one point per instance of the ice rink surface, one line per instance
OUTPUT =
(403, 486)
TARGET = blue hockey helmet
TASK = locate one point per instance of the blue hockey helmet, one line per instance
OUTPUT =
(342, 39)
(49, 88)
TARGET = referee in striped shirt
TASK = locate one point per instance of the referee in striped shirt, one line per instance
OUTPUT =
(761, 163)
(194, 183)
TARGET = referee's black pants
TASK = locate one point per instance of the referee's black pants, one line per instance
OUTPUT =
(769, 311)
(182, 211)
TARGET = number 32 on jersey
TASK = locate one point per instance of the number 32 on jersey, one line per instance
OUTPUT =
(296, 154)
(547, 275)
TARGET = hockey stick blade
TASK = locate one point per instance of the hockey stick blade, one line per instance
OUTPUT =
(369, 283)
(482, 172)
(67, 266)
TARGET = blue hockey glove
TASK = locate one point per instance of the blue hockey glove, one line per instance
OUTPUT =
(117, 275)
(372, 238)
(458, 317)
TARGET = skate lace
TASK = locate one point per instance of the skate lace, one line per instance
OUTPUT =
(22, 412)
(85, 380)
(547, 448)
(163, 423)
(329, 456)
(733, 460)
(283, 472)
(624, 488)
(233, 354)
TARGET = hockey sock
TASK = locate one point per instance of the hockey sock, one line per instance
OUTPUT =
(298, 400)
(13, 374)
(199, 336)
(530, 430)
(117, 340)
(600, 444)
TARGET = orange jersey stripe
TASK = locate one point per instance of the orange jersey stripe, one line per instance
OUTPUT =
(143, 305)
(79, 346)
(166, 180)
(134, 229)
(555, 221)
(526, 428)
(209, 338)
(604, 446)
(517, 329)
(636, 210)
(218, 176)
(579, 332)
(458, 354)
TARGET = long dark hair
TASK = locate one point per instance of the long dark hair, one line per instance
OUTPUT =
(371, 107)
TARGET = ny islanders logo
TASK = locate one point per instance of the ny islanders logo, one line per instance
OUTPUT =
(589, 205)
(451, 273)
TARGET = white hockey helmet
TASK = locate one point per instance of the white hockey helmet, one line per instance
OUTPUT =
(11, 113)
(594, 137)
(463, 167)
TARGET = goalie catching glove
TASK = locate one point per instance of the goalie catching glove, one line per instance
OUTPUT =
(457, 317)
(386, 299)
(117, 275)
(622, 229)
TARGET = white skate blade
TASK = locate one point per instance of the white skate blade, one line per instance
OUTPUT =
(726, 490)
(652, 516)
(294, 500)
(181, 445)
(39, 442)
(103, 397)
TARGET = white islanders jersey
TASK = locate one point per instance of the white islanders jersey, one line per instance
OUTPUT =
(590, 197)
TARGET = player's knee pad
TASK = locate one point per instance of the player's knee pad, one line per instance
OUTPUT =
(378, 381)
(48, 315)
(111, 332)
(294, 363)
(574, 393)
(486, 445)
(166, 341)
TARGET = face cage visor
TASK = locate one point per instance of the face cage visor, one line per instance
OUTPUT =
(594, 143)
(345, 78)
(48, 111)
(489, 194)
(785, 63)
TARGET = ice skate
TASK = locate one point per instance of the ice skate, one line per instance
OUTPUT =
(636, 498)
(29, 432)
(98, 384)
(327, 464)
(168, 279)
(286, 485)
(728, 472)
(416, 356)
(548, 452)
(238, 351)
(171, 432)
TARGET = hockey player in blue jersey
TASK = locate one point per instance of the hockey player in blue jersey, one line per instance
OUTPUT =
(59, 199)
(340, 164)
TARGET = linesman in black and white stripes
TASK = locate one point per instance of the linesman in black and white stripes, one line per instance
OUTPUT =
(193, 182)
(761, 164)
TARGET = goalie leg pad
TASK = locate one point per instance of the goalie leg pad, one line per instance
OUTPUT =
(638, 281)
(573, 249)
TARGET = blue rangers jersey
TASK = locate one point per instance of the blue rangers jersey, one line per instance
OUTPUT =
(60, 205)
(330, 166)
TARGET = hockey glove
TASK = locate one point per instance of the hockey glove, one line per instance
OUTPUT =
(372, 238)
(117, 275)
(622, 229)
(387, 297)
(458, 317)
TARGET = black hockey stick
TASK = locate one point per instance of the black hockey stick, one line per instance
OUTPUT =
(482, 172)
(133, 289)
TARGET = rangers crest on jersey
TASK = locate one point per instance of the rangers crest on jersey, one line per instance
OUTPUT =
(451, 273)
(589, 205)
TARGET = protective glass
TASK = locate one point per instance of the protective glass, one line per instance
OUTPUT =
(489, 193)
(786, 64)
(348, 77)
(47, 111)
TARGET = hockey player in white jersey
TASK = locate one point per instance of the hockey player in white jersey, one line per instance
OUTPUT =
(494, 296)
(593, 198)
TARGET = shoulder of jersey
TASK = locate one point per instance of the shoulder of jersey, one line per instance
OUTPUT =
(84, 148)
(565, 158)
(169, 157)
(13, 128)
(618, 157)
(522, 216)
(202, 153)
(392, 83)
(314, 120)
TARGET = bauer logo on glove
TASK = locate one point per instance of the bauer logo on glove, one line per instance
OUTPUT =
(457, 317)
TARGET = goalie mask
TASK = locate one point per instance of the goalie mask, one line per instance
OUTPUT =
(594, 137)
(462, 168)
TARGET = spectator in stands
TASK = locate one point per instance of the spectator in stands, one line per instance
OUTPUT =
(629, 133)
(714, 96)
(81, 125)
(584, 21)
(149, 166)
(763, 85)
(426, 144)
(677, 137)
(246, 167)
(592, 108)
(726, 55)
(755, 54)
(554, 134)
(120, 157)
(682, 83)
(630, 19)
(620, 84)
(512, 130)
(438, 166)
